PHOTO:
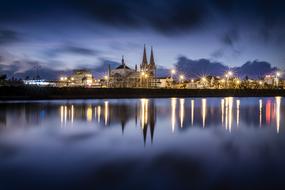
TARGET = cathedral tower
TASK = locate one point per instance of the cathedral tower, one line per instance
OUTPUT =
(144, 63)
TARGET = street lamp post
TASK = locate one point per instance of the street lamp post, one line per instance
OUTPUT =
(181, 77)
(278, 74)
(228, 75)
(107, 80)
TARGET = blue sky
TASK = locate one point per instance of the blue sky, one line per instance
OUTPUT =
(72, 34)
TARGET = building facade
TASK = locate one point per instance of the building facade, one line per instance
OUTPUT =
(125, 77)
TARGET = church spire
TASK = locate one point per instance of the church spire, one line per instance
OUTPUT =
(144, 61)
(151, 62)
(123, 60)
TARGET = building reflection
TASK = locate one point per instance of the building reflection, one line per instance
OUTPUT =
(268, 112)
(237, 105)
(89, 114)
(260, 112)
(223, 110)
(147, 113)
(106, 112)
(204, 111)
(192, 112)
(277, 111)
(229, 113)
(173, 113)
(148, 118)
(181, 111)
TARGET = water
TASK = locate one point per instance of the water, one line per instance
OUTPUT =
(200, 143)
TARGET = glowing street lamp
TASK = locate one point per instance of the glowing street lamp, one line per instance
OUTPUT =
(181, 77)
(172, 72)
(230, 73)
(63, 78)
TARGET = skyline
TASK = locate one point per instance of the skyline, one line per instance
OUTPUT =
(64, 35)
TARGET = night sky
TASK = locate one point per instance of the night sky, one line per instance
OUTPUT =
(68, 34)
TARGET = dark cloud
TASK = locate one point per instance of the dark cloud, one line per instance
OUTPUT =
(8, 36)
(160, 14)
(255, 69)
(230, 38)
(71, 49)
(195, 68)
(218, 54)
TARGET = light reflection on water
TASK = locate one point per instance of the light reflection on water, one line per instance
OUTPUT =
(210, 132)
(108, 113)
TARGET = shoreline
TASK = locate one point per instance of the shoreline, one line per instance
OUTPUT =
(53, 93)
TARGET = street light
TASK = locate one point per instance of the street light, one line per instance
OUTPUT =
(238, 82)
(203, 79)
(181, 77)
(230, 73)
(172, 72)
(63, 78)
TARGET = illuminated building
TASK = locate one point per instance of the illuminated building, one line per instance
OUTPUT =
(125, 77)
(81, 78)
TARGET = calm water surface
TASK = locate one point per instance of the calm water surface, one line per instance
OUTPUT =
(200, 143)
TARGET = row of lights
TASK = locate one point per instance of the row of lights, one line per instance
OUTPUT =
(173, 72)
(181, 77)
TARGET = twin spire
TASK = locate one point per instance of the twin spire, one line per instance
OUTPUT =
(145, 64)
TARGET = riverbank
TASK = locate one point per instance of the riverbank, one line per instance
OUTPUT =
(49, 93)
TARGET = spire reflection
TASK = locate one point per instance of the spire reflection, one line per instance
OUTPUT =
(144, 112)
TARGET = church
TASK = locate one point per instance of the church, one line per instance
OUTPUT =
(125, 77)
